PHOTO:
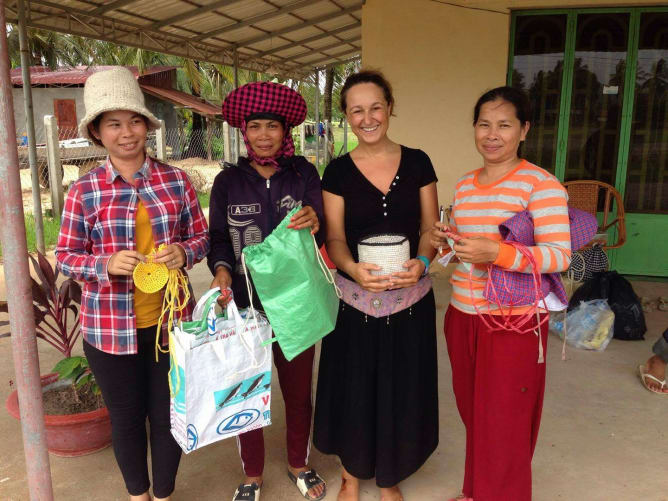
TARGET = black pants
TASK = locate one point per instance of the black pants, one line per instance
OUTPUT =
(135, 387)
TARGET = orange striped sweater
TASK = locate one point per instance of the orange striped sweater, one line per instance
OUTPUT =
(479, 209)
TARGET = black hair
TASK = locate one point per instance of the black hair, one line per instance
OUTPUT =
(94, 126)
(265, 115)
(367, 76)
(516, 97)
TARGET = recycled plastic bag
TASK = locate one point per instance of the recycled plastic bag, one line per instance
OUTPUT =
(588, 326)
(610, 285)
(220, 374)
(296, 288)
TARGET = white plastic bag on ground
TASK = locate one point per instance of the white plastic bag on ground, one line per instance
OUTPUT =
(588, 326)
(220, 374)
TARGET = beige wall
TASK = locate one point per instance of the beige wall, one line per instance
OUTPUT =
(439, 60)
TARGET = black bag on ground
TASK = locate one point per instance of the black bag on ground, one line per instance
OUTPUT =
(610, 285)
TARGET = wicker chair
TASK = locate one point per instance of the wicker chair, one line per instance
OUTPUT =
(586, 195)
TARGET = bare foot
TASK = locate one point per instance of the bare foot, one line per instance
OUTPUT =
(350, 487)
(656, 367)
(250, 480)
(391, 494)
(314, 492)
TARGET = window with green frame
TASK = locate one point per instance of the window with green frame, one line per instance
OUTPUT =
(598, 83)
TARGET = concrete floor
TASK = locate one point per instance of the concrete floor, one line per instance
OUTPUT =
(603, 437)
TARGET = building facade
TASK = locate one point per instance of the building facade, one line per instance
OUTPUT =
(596, 74)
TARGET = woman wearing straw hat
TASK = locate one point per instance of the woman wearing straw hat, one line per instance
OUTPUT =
(114, 216)
(248, 201)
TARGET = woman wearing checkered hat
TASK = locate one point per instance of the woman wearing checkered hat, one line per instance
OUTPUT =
(113, 217)
(248, 200)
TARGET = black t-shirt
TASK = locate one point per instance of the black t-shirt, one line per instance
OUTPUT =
(368, 211)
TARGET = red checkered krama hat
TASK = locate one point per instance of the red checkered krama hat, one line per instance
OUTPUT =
(264, 97)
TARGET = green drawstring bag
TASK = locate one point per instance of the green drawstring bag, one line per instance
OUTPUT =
(295, 286)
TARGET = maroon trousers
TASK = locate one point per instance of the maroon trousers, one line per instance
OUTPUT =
(295, 379)
(499, 387)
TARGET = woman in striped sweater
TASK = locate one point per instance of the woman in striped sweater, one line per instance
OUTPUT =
(498, 376)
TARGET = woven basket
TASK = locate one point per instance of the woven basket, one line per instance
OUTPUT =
(389, 251)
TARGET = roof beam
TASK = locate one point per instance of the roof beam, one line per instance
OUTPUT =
(256, 19)
(103, 9)
(299, 26)
(314, 38)
(323, 59)
(192, 13)
(338, 43)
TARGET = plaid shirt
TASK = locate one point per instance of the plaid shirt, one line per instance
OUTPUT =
(99, 220)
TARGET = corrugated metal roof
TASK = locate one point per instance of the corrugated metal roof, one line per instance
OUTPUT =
(40, 75)
(289, 36)
(182, 99)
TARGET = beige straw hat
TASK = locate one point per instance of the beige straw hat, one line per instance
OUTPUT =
(111, 90)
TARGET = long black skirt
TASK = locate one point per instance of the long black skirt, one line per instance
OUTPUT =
(377, 398)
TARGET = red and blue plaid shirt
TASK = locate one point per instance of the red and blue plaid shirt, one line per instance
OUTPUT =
(99, 220)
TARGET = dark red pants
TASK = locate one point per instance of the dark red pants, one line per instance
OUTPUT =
(499, 387)
(295, 378)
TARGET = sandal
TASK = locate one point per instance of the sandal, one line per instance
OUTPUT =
(663, 303)
(647, 304)
(247, 492)
(642, 372)
(307, 480)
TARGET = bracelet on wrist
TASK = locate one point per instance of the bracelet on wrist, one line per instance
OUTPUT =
(426, 262)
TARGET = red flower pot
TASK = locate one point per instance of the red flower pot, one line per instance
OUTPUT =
(74, 434)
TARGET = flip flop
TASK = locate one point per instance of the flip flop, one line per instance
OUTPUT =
(663, 303)
(247, 492)
(642, 373)
(307, 480)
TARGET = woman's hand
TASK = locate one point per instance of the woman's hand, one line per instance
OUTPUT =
(438, 237)
(124, 262)
(173, 256)
(222, 280)
(477, 250)
(305, 218)
(361, 273)
(414, 270)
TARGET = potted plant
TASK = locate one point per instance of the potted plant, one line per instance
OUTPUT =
(77, 422)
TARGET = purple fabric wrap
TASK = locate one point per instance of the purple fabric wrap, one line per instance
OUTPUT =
(381, 304)
(514, 288)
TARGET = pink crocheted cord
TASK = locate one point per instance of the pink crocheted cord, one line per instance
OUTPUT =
(506, 321)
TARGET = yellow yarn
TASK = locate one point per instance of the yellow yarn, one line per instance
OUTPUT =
(150, 277)
(174, 301)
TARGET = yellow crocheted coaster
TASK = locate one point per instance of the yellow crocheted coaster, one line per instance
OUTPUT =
(150, 277)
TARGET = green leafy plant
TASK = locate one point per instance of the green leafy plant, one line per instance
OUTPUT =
(56, 311)
(77, 370)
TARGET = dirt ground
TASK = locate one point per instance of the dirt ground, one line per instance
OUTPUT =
(603, 436)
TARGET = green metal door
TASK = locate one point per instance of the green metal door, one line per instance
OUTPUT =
(598, 80)
(644, 181)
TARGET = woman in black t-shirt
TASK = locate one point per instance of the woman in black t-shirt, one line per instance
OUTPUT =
(377, 403)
